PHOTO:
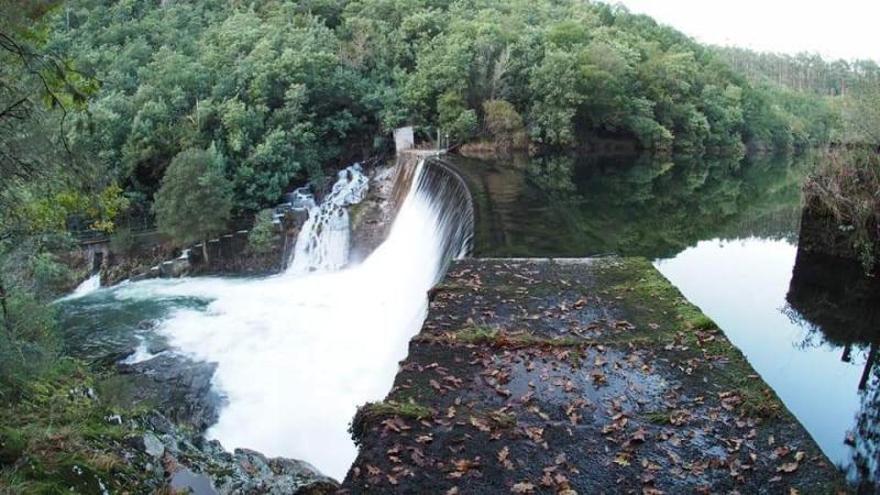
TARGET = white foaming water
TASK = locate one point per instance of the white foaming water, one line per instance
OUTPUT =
(323, 243)
(141, 353)
(297, 353)
(88, 286)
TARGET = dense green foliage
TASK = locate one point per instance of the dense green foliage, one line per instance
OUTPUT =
(285, 88)
(807, 73)
(41, 184)
(820, 100)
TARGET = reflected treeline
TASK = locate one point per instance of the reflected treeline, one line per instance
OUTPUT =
(628, 205)
(841, 308)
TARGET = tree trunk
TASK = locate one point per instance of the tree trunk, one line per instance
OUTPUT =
(5, 309)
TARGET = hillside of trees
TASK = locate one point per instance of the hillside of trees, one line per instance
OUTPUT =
(809, 88)
(285, 89)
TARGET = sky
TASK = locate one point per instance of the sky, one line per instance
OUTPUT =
(847, 29)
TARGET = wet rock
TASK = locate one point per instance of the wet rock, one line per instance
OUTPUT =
(371, 219)
(254, 473)
(177, 386)
(153, 446)
(167, 456)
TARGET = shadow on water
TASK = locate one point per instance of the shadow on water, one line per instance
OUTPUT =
(841, 307)
(725, 232)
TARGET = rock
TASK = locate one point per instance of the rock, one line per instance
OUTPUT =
(254, 473)
(153, 446)
(178, 387)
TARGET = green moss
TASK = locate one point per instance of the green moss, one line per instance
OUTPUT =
(757, 399)
(500, 338)
(651, 300)
(372, 411)
(409, 409)
(57, 437)
(658, 417)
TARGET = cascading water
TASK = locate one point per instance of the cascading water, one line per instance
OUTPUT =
(323, 242)
(85, 288)
(297, 353)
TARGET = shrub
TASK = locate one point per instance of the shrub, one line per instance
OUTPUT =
(28, 343)
(455, 118)
(505, 125)
(261, 238)
(122, 241)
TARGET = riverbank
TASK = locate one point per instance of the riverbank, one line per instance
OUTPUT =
(82, 430)
(587, 376)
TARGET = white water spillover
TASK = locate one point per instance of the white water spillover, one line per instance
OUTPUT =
(324, 241)
(298, 352)
(85, 288)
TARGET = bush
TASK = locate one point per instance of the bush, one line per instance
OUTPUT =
(28, 344)
(49, 276)
(261, 239)
(505, 125)
(455, 118)
(122, 241)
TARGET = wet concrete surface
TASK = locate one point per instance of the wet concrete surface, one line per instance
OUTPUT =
(577, 376)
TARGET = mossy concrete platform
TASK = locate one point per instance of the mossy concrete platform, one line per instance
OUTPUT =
(577, 376)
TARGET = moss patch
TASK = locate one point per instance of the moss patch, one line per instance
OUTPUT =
(58, 437)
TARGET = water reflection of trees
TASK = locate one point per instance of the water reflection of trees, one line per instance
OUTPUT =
(579, 206)
(840, 307)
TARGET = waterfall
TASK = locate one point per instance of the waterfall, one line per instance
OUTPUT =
(88, 286)
(323, 242)
(298, 352)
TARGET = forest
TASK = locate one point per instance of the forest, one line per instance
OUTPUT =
(283, 90)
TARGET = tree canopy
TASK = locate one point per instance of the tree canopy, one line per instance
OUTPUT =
(283, 89)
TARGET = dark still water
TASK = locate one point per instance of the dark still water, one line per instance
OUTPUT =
(725, 233)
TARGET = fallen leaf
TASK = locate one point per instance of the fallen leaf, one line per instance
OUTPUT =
(523, 487)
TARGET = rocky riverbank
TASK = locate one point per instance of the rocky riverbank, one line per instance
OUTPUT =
(77, 433)
(578, 376)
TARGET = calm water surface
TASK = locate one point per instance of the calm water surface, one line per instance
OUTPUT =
(726, 234)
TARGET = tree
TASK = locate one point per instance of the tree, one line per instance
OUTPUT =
(194, 202)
